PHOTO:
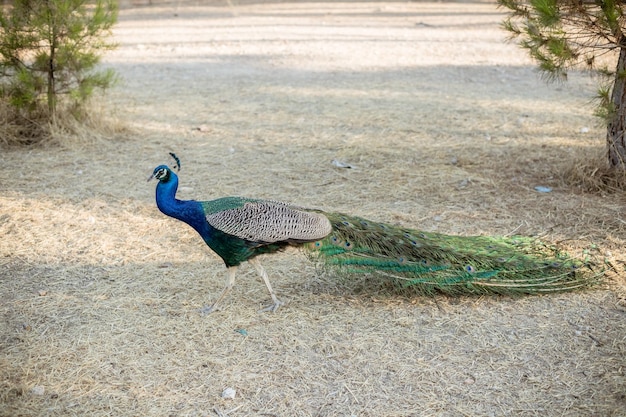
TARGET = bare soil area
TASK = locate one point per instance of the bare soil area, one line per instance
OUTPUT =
(447, 128)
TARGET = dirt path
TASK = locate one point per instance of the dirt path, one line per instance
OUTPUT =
(448, 128)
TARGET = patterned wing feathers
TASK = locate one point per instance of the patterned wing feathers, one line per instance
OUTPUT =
(270, 221)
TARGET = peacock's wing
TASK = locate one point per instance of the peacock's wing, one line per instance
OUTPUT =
(266, 221)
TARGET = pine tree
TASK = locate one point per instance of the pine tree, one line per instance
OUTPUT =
(49, 50)
(566, 34)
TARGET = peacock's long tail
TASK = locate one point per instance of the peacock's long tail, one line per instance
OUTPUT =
(428, 263)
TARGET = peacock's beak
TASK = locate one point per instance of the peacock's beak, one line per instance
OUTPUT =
(150, 177)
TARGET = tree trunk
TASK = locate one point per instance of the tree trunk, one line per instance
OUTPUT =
(51, 84)
(52, 91)
(615, 136)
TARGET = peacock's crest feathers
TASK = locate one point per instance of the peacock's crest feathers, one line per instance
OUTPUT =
(429, 262)
(265, 221)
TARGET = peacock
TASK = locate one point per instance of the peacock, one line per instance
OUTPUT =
(239, 229)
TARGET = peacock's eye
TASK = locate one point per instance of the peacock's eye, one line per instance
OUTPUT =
(161, 174)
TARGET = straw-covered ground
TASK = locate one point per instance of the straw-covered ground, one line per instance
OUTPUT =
(447, 127)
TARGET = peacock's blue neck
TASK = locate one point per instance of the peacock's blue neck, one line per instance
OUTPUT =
(188, 211)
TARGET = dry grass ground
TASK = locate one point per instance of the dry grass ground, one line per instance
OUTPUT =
(448, 129)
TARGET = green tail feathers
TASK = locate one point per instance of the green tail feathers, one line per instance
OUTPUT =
(430, 262)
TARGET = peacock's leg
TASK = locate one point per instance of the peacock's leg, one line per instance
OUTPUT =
(230, 282)
(261, 271)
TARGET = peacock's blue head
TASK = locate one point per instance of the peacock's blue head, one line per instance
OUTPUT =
(163, 173)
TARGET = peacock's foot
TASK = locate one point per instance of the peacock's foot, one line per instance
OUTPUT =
(206, 310)
(272, 307)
